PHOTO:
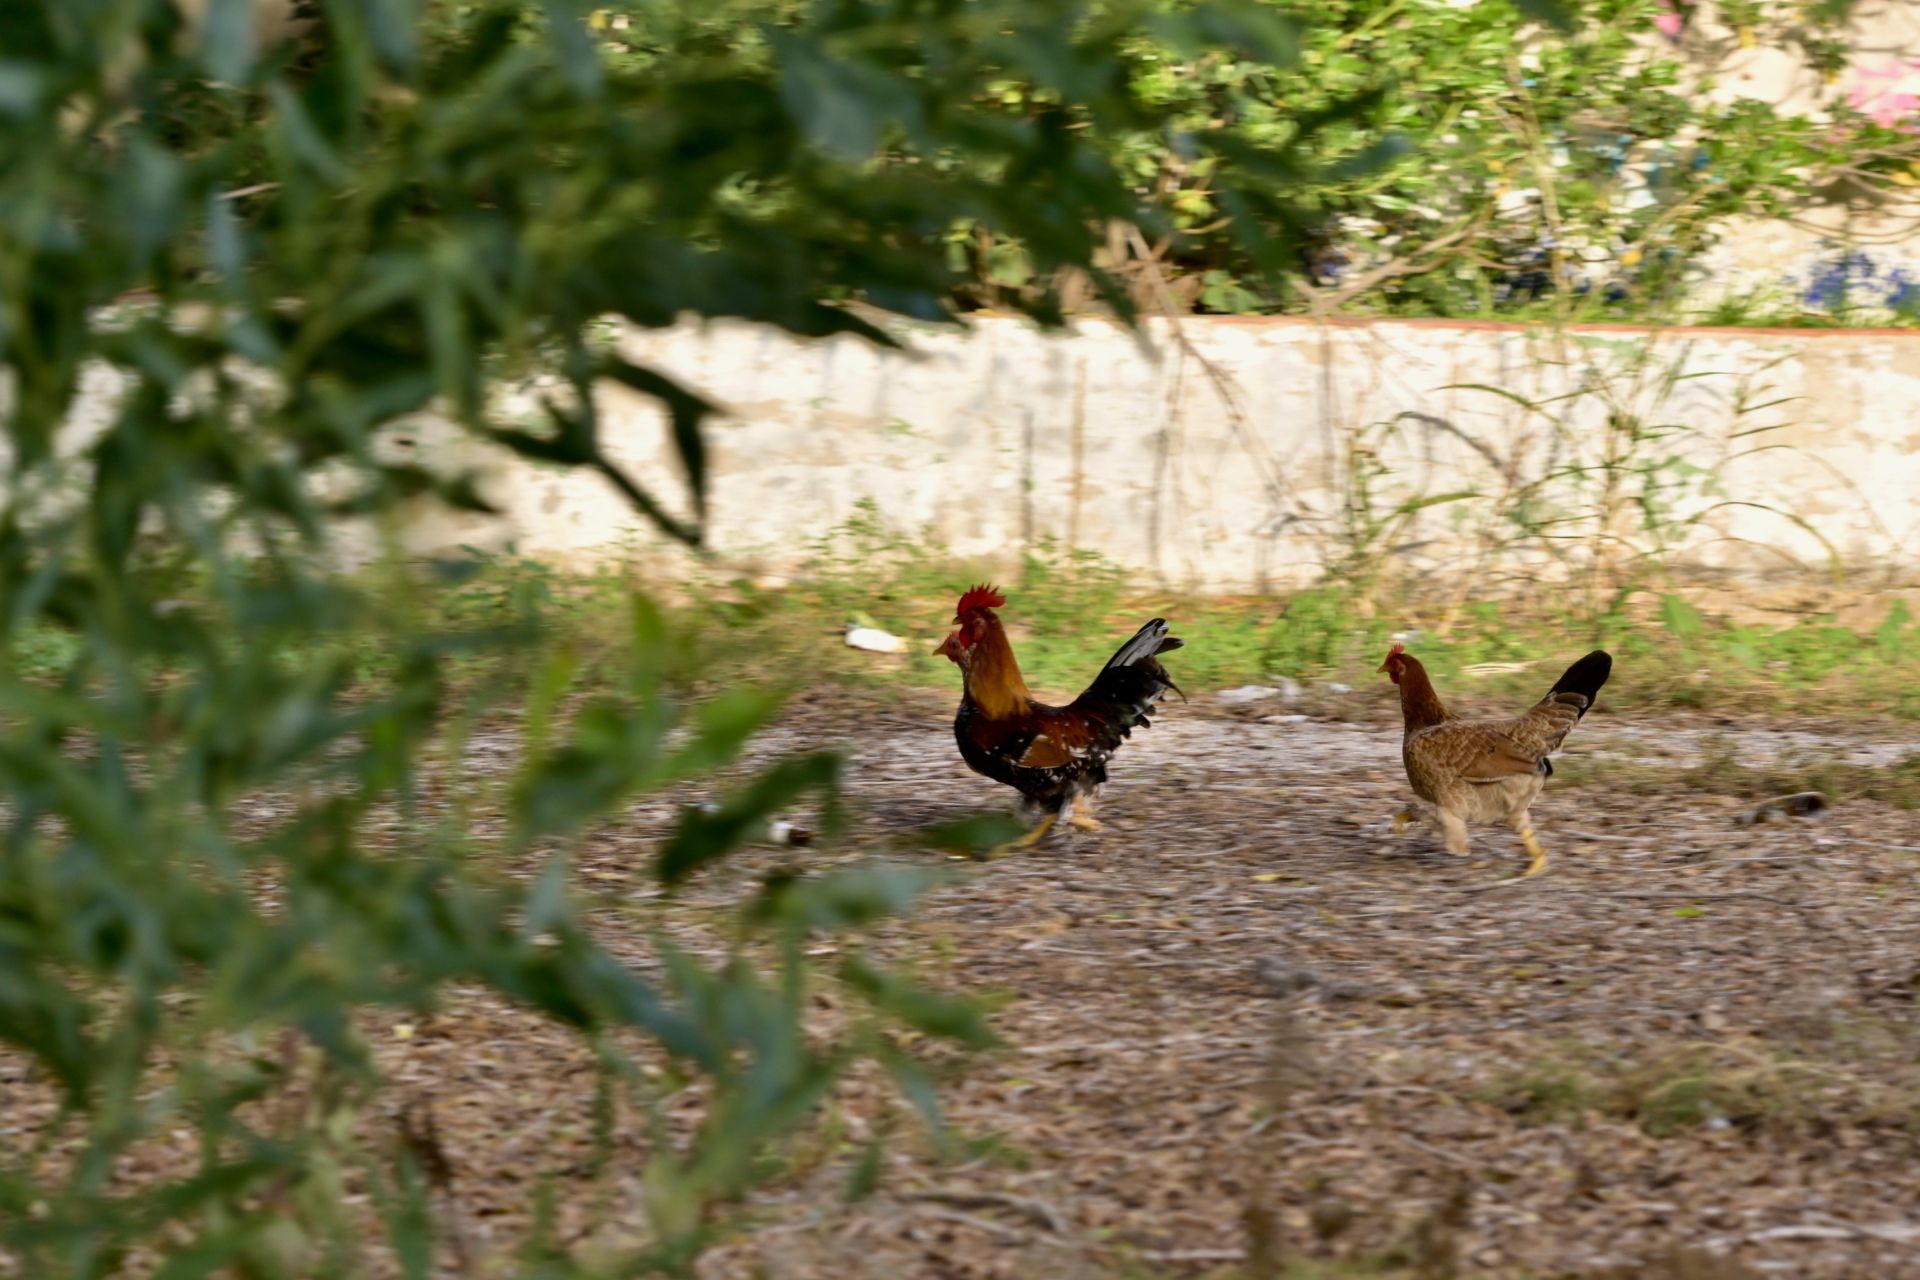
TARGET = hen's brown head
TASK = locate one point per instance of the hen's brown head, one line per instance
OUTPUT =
(1396, 663)
(971, 618)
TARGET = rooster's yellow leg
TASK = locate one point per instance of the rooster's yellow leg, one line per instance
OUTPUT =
(1026, 841)
(1082, 814)
(1534, 851)
(1403, 819)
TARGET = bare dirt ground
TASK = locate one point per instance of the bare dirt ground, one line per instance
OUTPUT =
(1246, 1012)
(1247, 1017)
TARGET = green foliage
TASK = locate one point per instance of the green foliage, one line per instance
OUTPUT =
(1568, 166)
(221, 864)
(1564, 178)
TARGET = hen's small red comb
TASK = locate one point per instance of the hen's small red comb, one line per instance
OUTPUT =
(979, 598)
(1395, 652)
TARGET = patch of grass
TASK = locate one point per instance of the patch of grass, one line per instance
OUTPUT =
(1688, 1085)
(1068, 610)
(1726, 772)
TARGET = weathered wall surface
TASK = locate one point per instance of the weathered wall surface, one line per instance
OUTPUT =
(1244, 454)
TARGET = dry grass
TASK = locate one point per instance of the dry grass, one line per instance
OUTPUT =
(1806, 1093)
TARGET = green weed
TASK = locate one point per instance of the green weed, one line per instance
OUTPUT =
(1669, 1088)
(1726, 773)
(1068, 610)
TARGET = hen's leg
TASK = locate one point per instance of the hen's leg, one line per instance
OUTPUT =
(1403, 819)
(1454, 827)
(1028, 840)
(1522, 824)
(1081, 816)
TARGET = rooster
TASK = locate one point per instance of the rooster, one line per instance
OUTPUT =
(1487, 770)
(1050, 755)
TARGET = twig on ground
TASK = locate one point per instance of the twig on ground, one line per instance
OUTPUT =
(1039, 1212)
(999, 1230)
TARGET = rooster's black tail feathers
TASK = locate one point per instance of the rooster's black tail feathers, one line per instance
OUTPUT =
(1148, 643)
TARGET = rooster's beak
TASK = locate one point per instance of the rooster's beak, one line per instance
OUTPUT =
(949, 648)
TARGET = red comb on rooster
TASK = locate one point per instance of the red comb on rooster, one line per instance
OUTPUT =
(978, 598)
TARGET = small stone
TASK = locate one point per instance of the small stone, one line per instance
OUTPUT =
(1802, 804)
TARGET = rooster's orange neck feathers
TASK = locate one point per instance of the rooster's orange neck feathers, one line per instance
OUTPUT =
(993, 675)
(1420, 706)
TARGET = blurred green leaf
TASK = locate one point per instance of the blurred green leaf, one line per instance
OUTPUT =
(971, 835)
(918, 1086)
(704, 835)
(843, 107)
(226, 39)
(578, 59)
(865, 1178)
(394, 26)
(1247, 27)
(947, 1017)
(1558, 14)
(842, 899)
(614, 751)
(546, 907)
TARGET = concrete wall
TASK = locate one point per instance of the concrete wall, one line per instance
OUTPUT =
(1248, 454)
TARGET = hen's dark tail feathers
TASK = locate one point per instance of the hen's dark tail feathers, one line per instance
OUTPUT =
(1585, 678)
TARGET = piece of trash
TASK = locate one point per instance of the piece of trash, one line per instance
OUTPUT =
(1248, 693)
(1801, 804)
(1295, 718)
(1337, 687)
(874, 640)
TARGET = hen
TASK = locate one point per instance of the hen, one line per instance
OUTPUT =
(1487, 770)
(1050, 755)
